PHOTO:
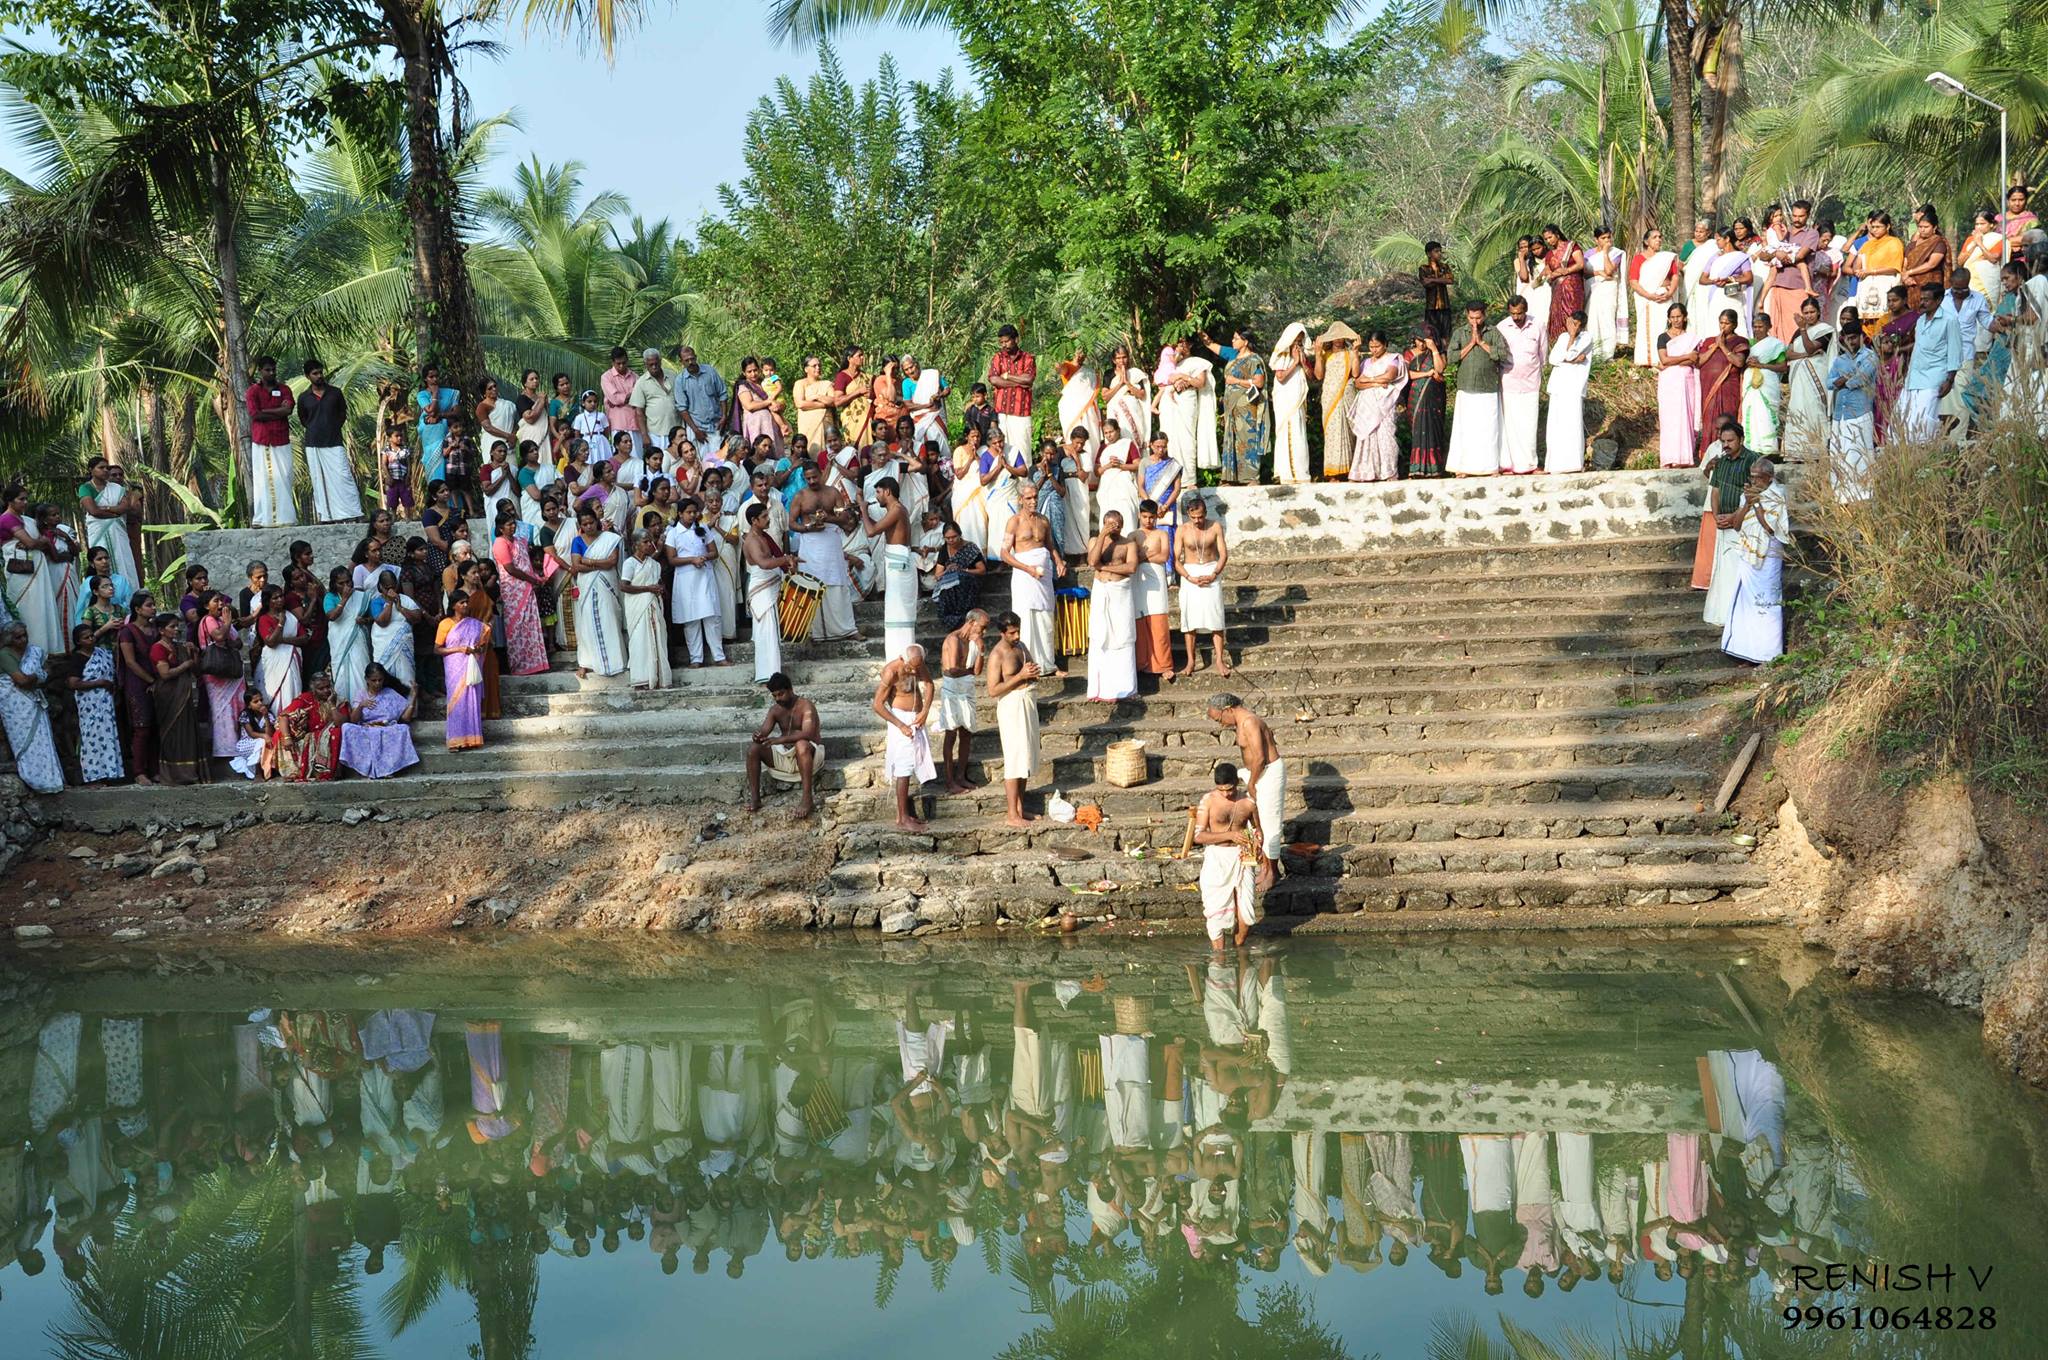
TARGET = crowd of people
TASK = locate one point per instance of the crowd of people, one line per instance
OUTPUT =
(648, 522)
(1077, 1118)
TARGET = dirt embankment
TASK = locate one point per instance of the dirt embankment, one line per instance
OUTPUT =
(1937, 887)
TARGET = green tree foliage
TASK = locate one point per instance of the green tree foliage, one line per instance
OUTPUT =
(1160, 151)
(860, 220)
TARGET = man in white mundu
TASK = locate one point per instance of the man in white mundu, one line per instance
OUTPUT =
(694, 593)
(1229, 888)
(1199, 555)
(1012, 683)
(323, 414)
(1755, 630)
(269, 404)
(1112, 616)
(1264, 770)
(960, 663)
(1475, 420)
(767, 567)
(903, 701)
(819, 519)
(1034, 570)
(891, 534)
(1521, 387)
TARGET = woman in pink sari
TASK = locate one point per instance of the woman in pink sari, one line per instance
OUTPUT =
(1678, 391)
(216, 624)
(461, 641)
(1382, 376)
(526, 649)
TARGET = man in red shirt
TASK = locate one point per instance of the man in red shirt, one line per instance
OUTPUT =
(617, 383)
(269, 404)
(1011, 372)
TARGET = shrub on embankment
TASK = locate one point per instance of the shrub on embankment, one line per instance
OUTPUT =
(1925, 638)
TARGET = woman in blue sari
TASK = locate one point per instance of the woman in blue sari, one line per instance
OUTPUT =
(434, 402)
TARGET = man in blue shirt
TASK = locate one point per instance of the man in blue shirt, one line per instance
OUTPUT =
(700, 399)
(1931, 372)
(1852, 386)
(1973, 317)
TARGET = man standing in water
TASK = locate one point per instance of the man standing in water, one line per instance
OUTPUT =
(1229, 892)
(1011, 683)
(1199, 556)
(960, 662)
(1264, 771)
(788, 742)
(903, 700)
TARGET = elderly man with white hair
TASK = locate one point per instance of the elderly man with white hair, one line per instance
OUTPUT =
(650, 397)
(903, 701)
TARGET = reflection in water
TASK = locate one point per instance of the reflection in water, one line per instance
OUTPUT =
(1188, 1156)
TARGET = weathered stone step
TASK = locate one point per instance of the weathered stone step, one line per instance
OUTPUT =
(1077, 757)
(1265, 649)
(1301, 679)
(1335, 793)
(1151, 721)
(1575, 824)
(544, 756)
(417, 794)
(1305, 896)
(1502, 558)
(625, 730)
(696, 684)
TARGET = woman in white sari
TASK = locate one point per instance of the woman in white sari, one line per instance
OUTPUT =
(723, 517)
(969, 501)
(1078, 411)
(1806, 406)
(1651, 282)
(1564, 431)
(280, 669)
(600, 624)
(348, 640)
(1532, 283)
(646, 622)
(111, 531)
(1289, 365)
(999, 468)
(1694, 292)
(1730, 287)
(1127, 398)
(392, 616)
(1187, 412)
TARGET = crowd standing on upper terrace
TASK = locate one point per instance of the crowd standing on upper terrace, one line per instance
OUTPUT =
(649, 521)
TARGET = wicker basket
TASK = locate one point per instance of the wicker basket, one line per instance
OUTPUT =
(1125, 767)
(1133, 1014)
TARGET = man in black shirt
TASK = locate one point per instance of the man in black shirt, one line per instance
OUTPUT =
(323, 412)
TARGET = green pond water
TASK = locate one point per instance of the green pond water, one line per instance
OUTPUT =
(1466, 1146)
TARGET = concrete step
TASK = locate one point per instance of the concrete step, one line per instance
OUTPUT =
(1311, 895)
(521, 758)
(1077, 757)
(1263, 675)
(625, 729)
(414, 794)
(735, 679)
(1565, 824)
(1322, 797)
(1264, 649)
(1149, 720)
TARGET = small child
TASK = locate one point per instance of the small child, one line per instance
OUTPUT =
(771, 383)
(253, 758)
(397, 461)
(592, 423)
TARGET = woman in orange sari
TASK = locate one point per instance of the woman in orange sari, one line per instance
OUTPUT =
(484, 609)
(306, 741)
(888, 402)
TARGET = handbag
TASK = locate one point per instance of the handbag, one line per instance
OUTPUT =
(222, 660)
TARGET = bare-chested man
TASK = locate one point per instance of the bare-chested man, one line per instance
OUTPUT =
(960, 663)
(892, 532)
(767, 566)
(903, 700)
(1011, 673)
(1229, 891)
(788, 742)
(1151, 598)
(819, 520)
(1034, 568)
(1264, 771)
(1200, 554)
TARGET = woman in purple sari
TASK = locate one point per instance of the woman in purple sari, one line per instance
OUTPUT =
(377, 741)
(757, 407)
(461, 640)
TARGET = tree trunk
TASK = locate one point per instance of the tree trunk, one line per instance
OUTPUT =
(1678, 36)
(156, 455)
(184, 433)
(234, 331)
(445, 321)
(1721, 71)
(1604, 150)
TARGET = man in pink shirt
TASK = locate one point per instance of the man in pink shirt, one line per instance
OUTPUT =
(616, 383)
(269, 403)
(1521, 387)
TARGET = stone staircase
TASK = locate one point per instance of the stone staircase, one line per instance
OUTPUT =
(1540, 725)
(1464, 727)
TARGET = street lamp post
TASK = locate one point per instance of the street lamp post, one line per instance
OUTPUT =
(1949, 85)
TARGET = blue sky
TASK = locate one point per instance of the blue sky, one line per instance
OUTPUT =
(663, 123)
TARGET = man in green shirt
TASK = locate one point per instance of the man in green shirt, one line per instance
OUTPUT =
(1727, 469)
(1475, 419)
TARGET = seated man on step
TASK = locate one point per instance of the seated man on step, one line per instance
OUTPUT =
(787, 741)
